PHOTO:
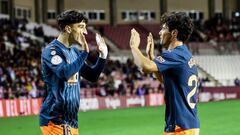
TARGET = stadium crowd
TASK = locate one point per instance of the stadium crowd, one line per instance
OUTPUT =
(20, 75)
(222, 34)
(20, 66)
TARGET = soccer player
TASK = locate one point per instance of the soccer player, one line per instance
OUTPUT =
(177, 68)
(62, 66)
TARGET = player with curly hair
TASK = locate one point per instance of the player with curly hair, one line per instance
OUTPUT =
(176, 68)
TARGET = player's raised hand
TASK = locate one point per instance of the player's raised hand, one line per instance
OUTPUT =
(135, 39)
(150, 47)
(102, 47)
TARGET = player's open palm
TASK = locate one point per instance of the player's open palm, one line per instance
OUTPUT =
(134, 39)
(102, 47)
(150, 46)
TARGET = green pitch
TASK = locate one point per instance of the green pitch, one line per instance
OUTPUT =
(217, 118)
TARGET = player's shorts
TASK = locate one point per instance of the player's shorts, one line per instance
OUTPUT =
(179, 131)
(63, 129)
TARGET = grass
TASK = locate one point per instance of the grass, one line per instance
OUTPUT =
(216, 118)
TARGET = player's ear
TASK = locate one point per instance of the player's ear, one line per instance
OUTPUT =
(68, 29)
(174, 33)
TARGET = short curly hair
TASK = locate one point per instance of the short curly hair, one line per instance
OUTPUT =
(179, 21)
(70, 17)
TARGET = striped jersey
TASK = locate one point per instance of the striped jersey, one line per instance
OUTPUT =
(62, 68)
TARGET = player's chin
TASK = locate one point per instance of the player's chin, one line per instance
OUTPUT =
(161, 42)
(76, 42)
(165, 45)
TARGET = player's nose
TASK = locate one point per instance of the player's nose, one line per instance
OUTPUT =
(85, 31)
(160, 33)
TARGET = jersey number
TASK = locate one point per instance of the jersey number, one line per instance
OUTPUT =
(191, 80)
(66, 130)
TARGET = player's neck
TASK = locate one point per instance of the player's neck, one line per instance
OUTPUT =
(175, 44)
(63, 38)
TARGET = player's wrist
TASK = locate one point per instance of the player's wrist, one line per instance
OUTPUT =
(103, 54)
(134, 47)
(85, 47)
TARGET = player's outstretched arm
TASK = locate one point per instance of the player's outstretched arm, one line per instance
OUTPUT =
(140, 60)
(96, 69)
(57, 64)
(92, 73)
(150, 54)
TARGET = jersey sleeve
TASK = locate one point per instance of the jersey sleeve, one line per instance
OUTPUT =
(55, 60)
(92, 73)
(167, 61)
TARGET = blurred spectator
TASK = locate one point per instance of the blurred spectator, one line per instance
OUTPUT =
(237, 82)
(20, 67)
(38, 31)
(200, 85)
(141, 91)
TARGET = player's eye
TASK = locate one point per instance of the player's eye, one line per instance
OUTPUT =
(81, 26)
(164, 27)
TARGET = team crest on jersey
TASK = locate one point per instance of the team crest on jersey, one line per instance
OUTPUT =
(160, 59)
(56, 59)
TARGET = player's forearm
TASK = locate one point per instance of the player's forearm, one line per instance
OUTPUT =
(141, 61)
(94, 70)
(151, 55)
(68, 70)
(158, 76)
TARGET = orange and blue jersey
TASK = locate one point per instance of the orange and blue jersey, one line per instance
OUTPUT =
(180, 81)
(61, 69)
